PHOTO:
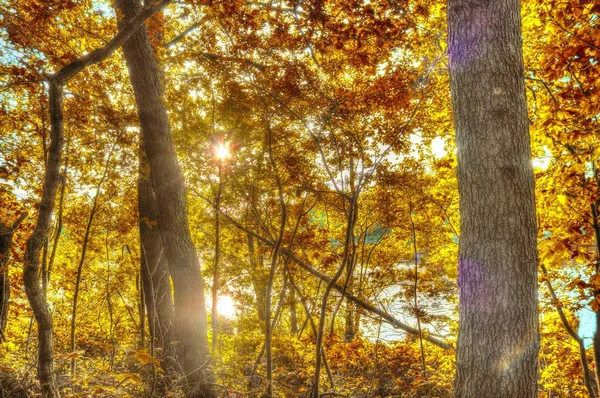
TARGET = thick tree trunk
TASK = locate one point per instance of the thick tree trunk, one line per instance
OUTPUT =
(169, 189)
(498, 338)
(154, 269)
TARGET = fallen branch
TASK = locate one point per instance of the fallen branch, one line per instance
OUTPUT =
(364, 304)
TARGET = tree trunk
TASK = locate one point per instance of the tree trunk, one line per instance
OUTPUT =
(154, 268)
(498, 338)
(349, 332)
(36, 241)
(293, 314)
(6, 235)
(86, 239)
(169, 189)
(596, 223)
(217, 265)
(274, 260)
(585, 367)
(258, 281)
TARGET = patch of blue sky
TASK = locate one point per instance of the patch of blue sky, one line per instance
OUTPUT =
(587, 325)
(104, 9)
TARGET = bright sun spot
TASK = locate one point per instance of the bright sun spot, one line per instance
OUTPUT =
(226, 307)
(438, 147)
(222, 151)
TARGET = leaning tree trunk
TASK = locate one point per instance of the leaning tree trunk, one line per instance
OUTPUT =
(498, 338)
(169, 189)
(36, 241)
(154, 268)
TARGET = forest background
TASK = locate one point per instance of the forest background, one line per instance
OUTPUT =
(310, 136)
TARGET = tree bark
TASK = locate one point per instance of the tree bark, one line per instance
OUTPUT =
(498, 338)
(170, 193)
(154, 268)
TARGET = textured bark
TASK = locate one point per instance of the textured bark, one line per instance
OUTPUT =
(349, 325)
(169, 189)
(59, 224)
(154, 269)
(498, 338)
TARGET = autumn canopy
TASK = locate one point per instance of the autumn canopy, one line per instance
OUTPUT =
(345, 198)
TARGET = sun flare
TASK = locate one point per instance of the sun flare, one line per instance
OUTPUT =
(222, 151)
(226, 307)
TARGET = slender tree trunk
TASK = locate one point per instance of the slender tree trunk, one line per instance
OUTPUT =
(498, 339)
(348, 243)
(274, 260)
(216, 269)
(139, 284)
(59, 224)
(86, 239)
(349, 323)
(154, 269)
(257, 279)
(293, 313)
(416, 288)
(35, 295)
(596, 223)
(6, 236)
(587, 374)
(170, 193)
